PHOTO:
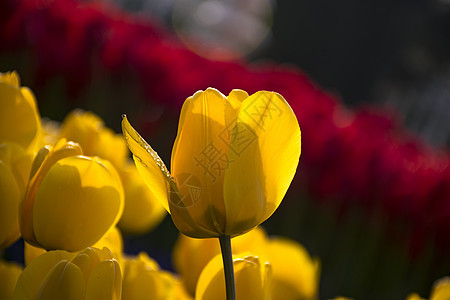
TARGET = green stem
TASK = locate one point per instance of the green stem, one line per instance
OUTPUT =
(227, 257)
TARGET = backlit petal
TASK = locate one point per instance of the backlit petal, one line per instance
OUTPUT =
(113, 241)
(149, 164)
(105, 282)
(199, 159)
(264, 150)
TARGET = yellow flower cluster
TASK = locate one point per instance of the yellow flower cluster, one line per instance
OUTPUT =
(69, 190)
(71, 183)
(65, 187)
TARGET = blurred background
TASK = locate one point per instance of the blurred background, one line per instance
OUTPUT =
(394, 54)
(391, 56)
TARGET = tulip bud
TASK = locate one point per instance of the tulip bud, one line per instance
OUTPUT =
(252, 277)
(71, 200)
(88, 130)
(9, 273)
(19, 117)
(91, 274)
(15, 165)
(142, 211)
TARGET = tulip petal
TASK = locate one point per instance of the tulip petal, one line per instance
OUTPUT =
(105, 282)
(11, 78)
(149, 164)
(9, 273)
(15, 166)
(89, 130)
(19, 119)
(65, 281)
(264, 154)
(142, 281)
(199, 158)
(295, 273)
(190, 256)
(112, 240)
(236, 97)
(41, 164)
(9, 203)
(77, 202)
(18, 161)
(34, 274)
(86, 263)
(31, 253)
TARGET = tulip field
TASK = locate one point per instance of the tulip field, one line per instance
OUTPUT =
(133, 168)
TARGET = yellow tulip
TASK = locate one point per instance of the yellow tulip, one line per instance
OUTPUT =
(142, 212)
(91, 274)
(19, 117)
(88, 130)
(9, 273)
(232, 162)
(295, 273)
(143, 279)
(15, 165)
(252, 276)
(440, 291)
(71, 200)
(190, 255)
